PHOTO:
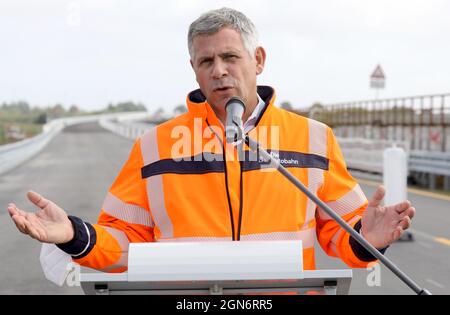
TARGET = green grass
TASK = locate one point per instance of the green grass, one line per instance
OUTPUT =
(29, 129)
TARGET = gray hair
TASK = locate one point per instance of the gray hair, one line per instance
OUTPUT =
(213, 21)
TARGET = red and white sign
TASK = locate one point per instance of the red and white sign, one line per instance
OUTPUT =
(378, 78)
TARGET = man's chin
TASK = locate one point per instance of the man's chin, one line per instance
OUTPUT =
(221, 101)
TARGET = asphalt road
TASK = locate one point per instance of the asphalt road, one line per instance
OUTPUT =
(426, 259)
(75, 170)
(85, 159)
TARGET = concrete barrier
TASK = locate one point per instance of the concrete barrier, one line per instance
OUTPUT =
(14, 154)
(126, 126)
(366, 154)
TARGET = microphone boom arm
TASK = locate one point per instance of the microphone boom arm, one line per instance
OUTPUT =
(255, 146)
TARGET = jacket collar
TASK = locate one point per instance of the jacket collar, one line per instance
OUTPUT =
(199, 107)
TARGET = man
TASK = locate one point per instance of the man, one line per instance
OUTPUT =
(164, 195)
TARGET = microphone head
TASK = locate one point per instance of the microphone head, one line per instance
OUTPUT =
(235, 100)
(235, 109)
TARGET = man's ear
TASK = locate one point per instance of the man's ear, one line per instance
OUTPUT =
(192, 65)
(260, 57)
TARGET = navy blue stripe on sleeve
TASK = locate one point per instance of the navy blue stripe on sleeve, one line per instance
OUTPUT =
(82, 241)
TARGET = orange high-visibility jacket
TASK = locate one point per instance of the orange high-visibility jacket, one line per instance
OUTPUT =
(210, 196)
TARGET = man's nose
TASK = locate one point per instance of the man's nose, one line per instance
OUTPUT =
(219, 70)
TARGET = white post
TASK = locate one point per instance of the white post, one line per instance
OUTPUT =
(395, 175)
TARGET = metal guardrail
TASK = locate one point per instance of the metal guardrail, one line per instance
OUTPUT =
(12, 155)
(366, 155)
(15, 154)
(436, 163)
(125, 127)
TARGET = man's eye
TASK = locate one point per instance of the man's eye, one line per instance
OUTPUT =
(205, 62)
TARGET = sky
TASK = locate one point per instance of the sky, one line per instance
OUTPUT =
(94, 52)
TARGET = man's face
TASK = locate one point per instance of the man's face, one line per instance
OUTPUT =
(224, 68)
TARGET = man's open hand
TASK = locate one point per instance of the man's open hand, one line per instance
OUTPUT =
(383, 225)
(49, 224)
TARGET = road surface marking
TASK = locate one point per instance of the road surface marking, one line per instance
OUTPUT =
(429, 194)
(440, 240)
(423, 234)
(410, 190)
(436, 283)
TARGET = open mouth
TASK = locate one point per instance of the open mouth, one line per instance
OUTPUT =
(223, 89)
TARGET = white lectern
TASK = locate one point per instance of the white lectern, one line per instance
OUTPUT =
(203, 268)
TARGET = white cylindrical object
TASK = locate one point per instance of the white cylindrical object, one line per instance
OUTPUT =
(395, 175)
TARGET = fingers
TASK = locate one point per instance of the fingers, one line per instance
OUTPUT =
(26, 222)
(405, 210)
(31, 230)
(13, 210)
(27, 227)
(410, 212)
(37, 199)
(397, 233)
(377, 197)
(403, 206)
(401, 227)
(405, 223)
(20, 223)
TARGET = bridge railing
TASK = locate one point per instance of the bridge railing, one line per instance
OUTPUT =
(14, 154)
(365, 156)
(437, 163)
(126, 126)
(423, 120)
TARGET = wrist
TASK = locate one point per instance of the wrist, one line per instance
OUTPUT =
(69, 231)
(359, 250)
(83, 241)
(372, 240)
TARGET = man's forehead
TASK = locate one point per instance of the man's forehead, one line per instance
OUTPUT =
(210, 51)
(226, 40)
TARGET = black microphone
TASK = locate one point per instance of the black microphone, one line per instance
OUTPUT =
(235, 108)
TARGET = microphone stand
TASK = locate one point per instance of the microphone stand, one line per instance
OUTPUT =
(255, 146)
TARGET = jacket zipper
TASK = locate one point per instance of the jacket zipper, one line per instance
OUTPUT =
(241, 201)
(226, 183)
(241, 185)
(228, 194)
